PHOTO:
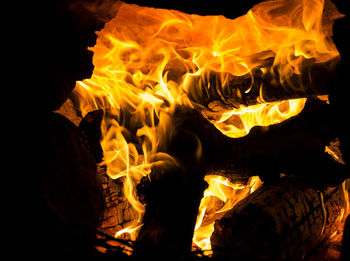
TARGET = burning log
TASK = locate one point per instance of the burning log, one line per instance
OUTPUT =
(90, 128)
(57, 185)
(172, 199)
(153, 69)
(283, 221)
(233, 91)
(118, 213)
(345, 254)
(170, 216)
(296, 145)
(293, 147)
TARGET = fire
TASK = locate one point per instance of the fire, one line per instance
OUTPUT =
(238, 122)
(147, 60)
(333, 150)
(220, 196)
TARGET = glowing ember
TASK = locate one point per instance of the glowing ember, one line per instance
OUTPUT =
(145, 62)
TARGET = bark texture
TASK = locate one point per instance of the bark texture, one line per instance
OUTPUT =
(283, 221)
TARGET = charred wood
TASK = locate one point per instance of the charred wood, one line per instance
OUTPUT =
(295, 146)
(90, 129)
(56, 186)
(109, 246)
(172, 200)
(170, 215)
(340, 92)
(233, 91)
(283, 221)
(171, 210)
(345, 254)
(117, 213)
(68, 110)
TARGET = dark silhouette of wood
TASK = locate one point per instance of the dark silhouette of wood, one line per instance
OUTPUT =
(283, 221)
(57, 192)
(345, 254)
(232, 91)
(172, 199)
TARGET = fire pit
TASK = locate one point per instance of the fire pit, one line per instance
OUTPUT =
(200, 135)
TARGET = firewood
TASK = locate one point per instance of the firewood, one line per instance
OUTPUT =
(345, 254)
(295, 146)
(173, 193)
(68, 110)
(56, 193)
(232, 91)
(278, 222)
(117, 213)
(172, 200)
(90, 129)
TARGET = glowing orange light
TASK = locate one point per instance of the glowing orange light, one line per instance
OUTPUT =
(145, 61)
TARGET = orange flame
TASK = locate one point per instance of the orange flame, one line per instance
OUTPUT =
(146, 59)
(220, 196)
(344, 212)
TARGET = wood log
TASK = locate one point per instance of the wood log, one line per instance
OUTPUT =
(295, 146)
(302, 137)
(345, 254)
(283, 221)
(172, 200)
(232, 91)
(68, 110)
(55, 192)
(339, 94)
(90, 129)
(117, 213)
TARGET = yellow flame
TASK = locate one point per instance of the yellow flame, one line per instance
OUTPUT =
(238, 122)
(129, 230)
(220, 196)
(145, 59)
(344, 212)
